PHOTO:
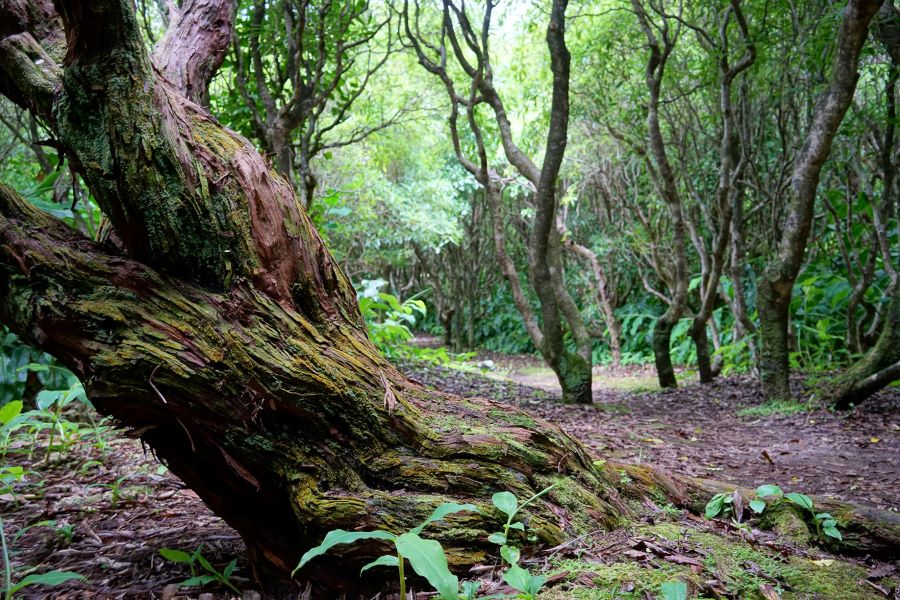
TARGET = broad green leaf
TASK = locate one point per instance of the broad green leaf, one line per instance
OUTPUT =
(388, 560)
(757, 505)
(537, 582)
(10, 411)
(510, 554)
(177, 556)
(428, 560)
(46, 398)
(517, 525)
(714, 506)
(768, 490)
(445, 509)
(48, 578)
(337, 537)
(497, 538)
(505, 502)
(470, 589)
(832, 532)
(518, 578)
(801, 500)
(674, 590)
(823, 516)
(829, 523)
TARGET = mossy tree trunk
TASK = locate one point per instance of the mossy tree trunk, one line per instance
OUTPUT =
(881, 364)
(777, 281)
(222, 332)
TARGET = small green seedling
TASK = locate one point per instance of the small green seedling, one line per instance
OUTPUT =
(516, 576)
(720, 504)
(758, 504)
(426, 557)
(826, 525)
(199, 580)
(50, 578)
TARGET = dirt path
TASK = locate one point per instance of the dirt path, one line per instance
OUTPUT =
(113, 507)
(723, 431)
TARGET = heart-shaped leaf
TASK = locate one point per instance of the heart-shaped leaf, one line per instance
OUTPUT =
(768, 490)
(505, 502)
(757, 505)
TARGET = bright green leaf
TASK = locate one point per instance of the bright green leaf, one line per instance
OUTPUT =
(48, 578)
(9, 411)
(518, 578)
(768, 490)
(337, 537)
(388, 560)
(506, 502)
(801, 500)
(510, 554)
(442, 511)
(428, 560)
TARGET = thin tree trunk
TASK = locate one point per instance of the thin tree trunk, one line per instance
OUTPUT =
(777, 282)
(661, 47)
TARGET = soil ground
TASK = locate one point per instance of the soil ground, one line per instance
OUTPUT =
(113, 506)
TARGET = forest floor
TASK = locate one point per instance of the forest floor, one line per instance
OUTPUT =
(112, 506)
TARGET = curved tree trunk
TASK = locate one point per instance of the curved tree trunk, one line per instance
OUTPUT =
(226, 337)
(777, 282)
(881, 364)
(661, 45)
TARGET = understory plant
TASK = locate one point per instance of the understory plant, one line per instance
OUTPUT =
(426, 557)
(199, 579)
(769, 494)
(519, 578)
(49, 578)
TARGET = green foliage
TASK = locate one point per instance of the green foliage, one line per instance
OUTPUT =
(48, 578)
(390, 324)
(519, 578)
(758, 504)
(720, 504)
(201, 578)
(826, 526)
(674, 590)
(426, 557)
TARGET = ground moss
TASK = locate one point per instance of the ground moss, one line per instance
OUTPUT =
(611, 581)
(736, 564)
